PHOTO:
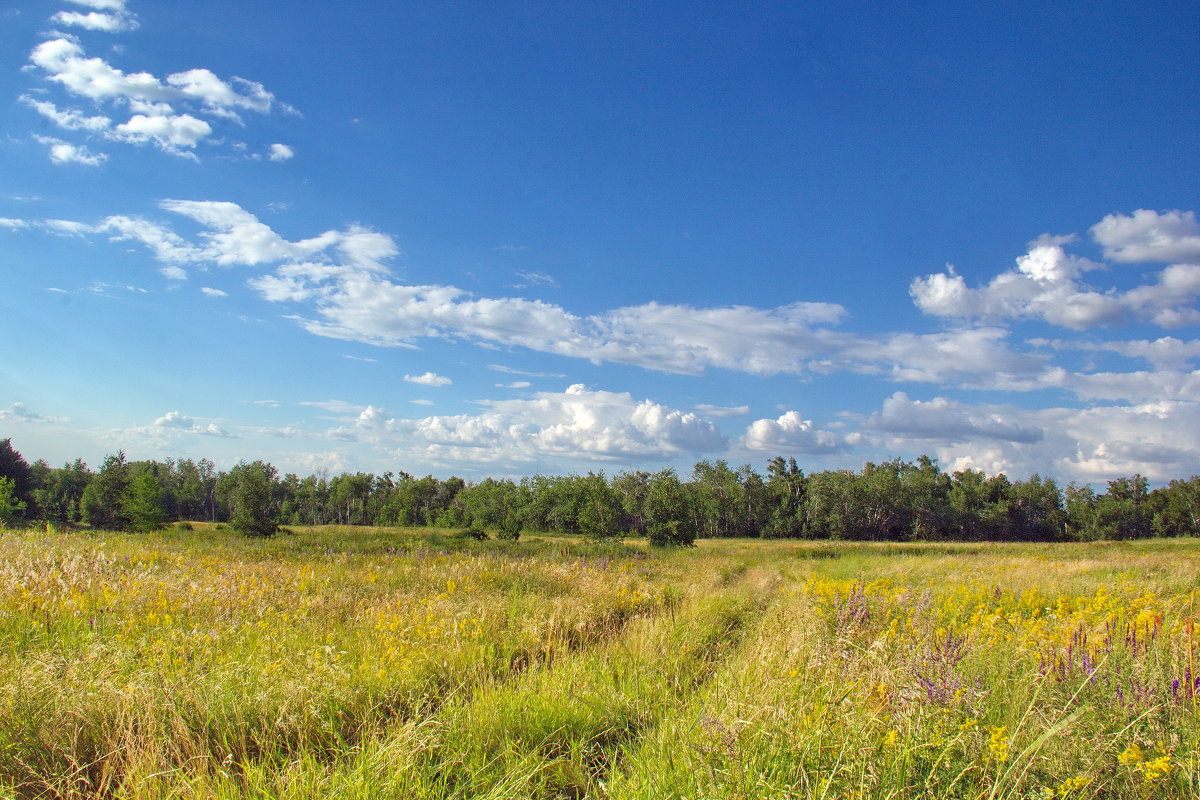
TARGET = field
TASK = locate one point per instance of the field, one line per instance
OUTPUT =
(362, 663)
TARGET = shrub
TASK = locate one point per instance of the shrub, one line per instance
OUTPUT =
(473, 532)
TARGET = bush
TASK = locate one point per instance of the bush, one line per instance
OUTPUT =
(473, 532)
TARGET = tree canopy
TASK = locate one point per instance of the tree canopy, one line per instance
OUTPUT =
(891, 500)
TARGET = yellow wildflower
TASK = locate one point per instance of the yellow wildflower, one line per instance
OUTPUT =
(1133, 755)
(998, 742)
(1072, 786)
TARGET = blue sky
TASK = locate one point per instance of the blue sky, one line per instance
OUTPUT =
(507, 238)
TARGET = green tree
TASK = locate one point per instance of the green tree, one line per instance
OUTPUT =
(142, 503)
(599, 514)
(668, 518)
(1035, 510)
(1123, 512)
(255, 511)
(12, 508)
(102, 501)
(1177, 508)
(60, 495)
(14, 467)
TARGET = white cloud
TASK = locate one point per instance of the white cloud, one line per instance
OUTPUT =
(342, 277)
(947, 420)
(71, 119)
(13, 224)
(170, 132)
(174, 273)
(175, 421)
(209, 291)
(1044, 286)
(97, 21)
(281, 152)
(514, 385)
(163, 243)
(343, 274)
(790, 433)
(335, 406)
(1047, 283)
(979, 357)
(722, 411)
(1134, 387)
(19, 412)
(535, 279)
(66, 227)
(101, 5)
(429, 379)
(1149, 236)
(1159, 439)
(1166, 303)
(578, 424)
(65, 63)
(154, 119)
(511, 371)
(64, 153)
(1164, 353)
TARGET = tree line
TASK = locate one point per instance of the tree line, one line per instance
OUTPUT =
(894, 500)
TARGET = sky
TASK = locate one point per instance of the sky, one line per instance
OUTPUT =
(509, 238)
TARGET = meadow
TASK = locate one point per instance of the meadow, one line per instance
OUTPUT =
(393, 663)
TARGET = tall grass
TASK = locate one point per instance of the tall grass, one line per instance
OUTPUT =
(382, 663)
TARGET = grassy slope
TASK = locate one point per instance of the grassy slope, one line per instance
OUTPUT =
(376, 663)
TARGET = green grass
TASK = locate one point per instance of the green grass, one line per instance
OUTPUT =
(380, 663)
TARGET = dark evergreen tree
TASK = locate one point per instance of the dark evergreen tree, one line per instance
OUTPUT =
(14, 467)
(102, 501)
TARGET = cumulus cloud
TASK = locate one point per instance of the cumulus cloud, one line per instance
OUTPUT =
(1134, 387)
(1047, 283)
(1166, 352)
(19, 412)
(281, 152)
(343, 279)
(1157, 439)
(1149, 236)
(117, 21)
(65, 153)
(342, 285)
(71, 119)
(175, 421)
(790, 434)
(171, 132)
(578, 424)
(162, 112)
(429, 379)
(211, 292)
(947, 420)
(174, 273)
(976, 357)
